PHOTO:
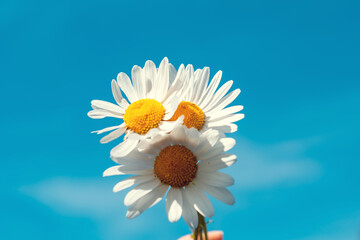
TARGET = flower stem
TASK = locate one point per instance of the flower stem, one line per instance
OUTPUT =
(205, 230)
(201, 228)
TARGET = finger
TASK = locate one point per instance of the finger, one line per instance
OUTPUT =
(213, 235)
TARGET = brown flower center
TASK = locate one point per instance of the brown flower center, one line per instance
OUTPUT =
(176, 166)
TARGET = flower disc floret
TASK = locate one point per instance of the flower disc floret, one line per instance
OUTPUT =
(143, 115)
(176, 166)
(193, 115)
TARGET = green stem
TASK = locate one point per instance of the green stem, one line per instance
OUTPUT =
(201, 228)
(205, 230)
(196, 233)
(201, 236)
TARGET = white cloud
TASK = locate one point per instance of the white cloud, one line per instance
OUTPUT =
(93, 198)
(274, 165)
(345, 229)
(86, 196)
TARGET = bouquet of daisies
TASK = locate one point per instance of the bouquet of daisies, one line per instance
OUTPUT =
(174, 126)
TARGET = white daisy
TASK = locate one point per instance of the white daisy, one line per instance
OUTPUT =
(153, 97)
(184, 164)
(203, 106)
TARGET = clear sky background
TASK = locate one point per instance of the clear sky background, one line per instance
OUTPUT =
(296, 62)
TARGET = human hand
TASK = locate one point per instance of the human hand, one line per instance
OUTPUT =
(213, 235)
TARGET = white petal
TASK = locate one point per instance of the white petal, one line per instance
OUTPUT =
(132, 162)
(203, 81)
(126, 146)
(220, 114)
(124, 104)
(228, 128)
(147, 201)
(134, 156)
(108, 129)
(153, 147)
(150, 148)
(223, 145)
(211, 136)
(162, 80)
(140, 155)
(122, 170)
(218, 95)
(171, 105)
(168, 126)
(135, 167)
(116, 91)
(172, 73)
(217, 179)
(177, 83)
(225, 120)
(150, 73)
(185, 94)
(199, 200)
(151, 133)
(228, 143)
(133, 213)
(220, 193)
(193, 138)
(178, 134)
(211, 90)
(174, 204)
(129, 182)
(113, 135)
(211, 153)
(111, 171)
(196, 84)
(138, 79)
(110, 107)
(214, 164)
(189, 75)
(203, 147)
(144, 144)
(226, 100)
(140, 190)
(126, 86)
(189, 213)
(208, 139)
(161, 190)
(98, 114)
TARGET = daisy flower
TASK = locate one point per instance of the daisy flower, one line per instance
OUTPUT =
(153, 99)
(203, 107)
(183, 165)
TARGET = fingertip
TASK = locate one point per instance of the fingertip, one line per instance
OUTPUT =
(187, 237)
(216, 235)
(213, 235)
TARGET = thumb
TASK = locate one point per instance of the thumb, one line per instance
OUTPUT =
(213, 235)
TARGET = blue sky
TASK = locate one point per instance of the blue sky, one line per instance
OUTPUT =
(296, 62)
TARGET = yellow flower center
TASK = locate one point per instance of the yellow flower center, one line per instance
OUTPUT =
(193, 115)
(143, 115)
(176, 166)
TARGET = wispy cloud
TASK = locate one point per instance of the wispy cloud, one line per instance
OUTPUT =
(345, 229)
(93, 199)
(281, 164)
(85, 196)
